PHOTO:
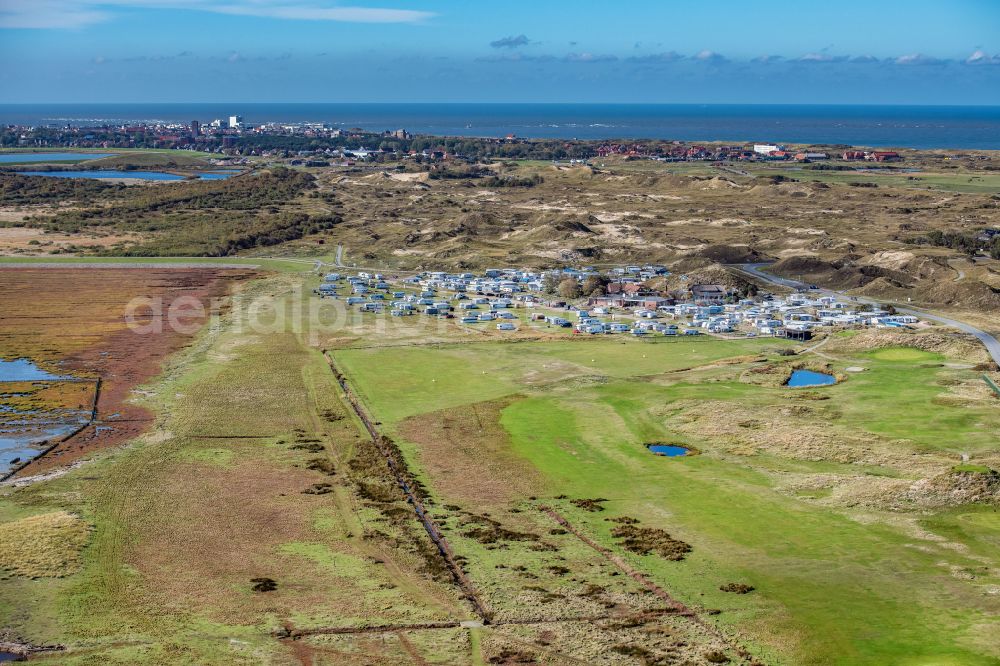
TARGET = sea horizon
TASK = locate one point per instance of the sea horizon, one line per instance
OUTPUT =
(903, 126)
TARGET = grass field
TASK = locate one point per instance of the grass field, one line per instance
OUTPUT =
(256, 471)
(948, 182)
(212, 498)
(837, 581)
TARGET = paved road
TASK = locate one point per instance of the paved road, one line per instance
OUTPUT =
(991, 343)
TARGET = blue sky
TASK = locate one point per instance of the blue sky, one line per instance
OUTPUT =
(724, 51)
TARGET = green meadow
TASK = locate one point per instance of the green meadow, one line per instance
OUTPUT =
(846, 582)
(256, 468)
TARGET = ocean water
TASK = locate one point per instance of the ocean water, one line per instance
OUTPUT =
(18, 158)
(116, 173)
(882, 126)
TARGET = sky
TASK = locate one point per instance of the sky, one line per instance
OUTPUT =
(641, 51)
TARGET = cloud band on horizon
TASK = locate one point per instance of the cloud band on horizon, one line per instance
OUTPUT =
(63, 14)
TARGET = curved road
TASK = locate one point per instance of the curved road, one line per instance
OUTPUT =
(991, 343)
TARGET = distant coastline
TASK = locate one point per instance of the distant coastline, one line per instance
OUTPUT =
(920, 127)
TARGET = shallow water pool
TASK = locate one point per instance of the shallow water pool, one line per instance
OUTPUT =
(802, 378)
(669, 450)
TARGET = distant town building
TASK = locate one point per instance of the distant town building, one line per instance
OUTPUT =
(710, 293)
(195, 128)
(235, 122)
(766, 148)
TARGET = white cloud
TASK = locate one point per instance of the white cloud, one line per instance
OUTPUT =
(49, 14)
(657, 58)
(310, 13)
(709, 56)
(81, 13)
(589, 57)
(918, 59)
(980, 57)
(820, 58)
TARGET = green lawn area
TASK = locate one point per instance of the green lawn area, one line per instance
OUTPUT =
(850, 589)
(416, 380)
(899, 397)
(834, 585)
(950, 182)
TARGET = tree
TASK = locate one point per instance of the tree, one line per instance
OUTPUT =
(569, 289)
(550, 283)
(594, 285)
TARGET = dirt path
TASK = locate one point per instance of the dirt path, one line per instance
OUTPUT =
(960, 273)
(411, 649)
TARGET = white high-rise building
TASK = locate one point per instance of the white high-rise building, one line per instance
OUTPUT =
(235, 122)
(766, 148)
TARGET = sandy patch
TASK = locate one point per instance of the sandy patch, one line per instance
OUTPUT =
(410, 177)
(35, 242)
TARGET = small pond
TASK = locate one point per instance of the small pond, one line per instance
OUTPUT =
(802, 378)
(670, 450)
(20, 158)
(120, 173)
(10, 656)
(23, 370)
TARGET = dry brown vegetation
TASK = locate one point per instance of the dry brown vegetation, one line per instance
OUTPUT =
(827, 232)
(88, 336)
(48, 544)
(646, 540)
(466, 454)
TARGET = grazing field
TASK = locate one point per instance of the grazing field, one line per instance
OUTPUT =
(245, 477)
(257, 520)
